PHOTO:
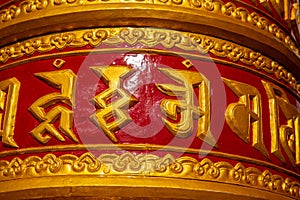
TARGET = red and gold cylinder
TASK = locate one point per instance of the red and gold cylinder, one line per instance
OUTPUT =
(140, 99)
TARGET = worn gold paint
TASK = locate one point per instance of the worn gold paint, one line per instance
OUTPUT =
(9, 94)
(245, 113)
(65, 81)
(112, 77)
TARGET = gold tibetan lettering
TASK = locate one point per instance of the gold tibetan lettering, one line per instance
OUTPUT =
(114, 101)
(246, 112)
(65, 81)
(288, 135)
(9, 93)
(185, 106)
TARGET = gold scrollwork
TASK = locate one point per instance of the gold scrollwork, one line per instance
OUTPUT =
(150, 38)
(287, 136)
(65, 81)
(9, 93)
(217, 6)
(246, 112)
(24, 7)
(148, 165)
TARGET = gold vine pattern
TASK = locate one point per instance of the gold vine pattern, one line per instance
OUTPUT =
(147, 165)
(150, 38)
(215, 6)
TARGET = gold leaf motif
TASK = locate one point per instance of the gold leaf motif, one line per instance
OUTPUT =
(49, 162)
(132, 36)
(125, 162)
(9, 14)
(87, 161)
(196, 3)
(33, 5)
(151, 37)
(94, 38)
(14, 168)
(62, 41)
(216, 6)
(148, 165)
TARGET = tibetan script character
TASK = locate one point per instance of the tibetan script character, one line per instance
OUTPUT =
(65, 81)
(9, 93)
(182, 126)
(114, 101)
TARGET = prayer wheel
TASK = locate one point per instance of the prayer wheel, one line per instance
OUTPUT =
(150, 99)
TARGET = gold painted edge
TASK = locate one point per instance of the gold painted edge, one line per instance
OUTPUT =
(147, 165)
(129, 187)
(150, 37)
(216, 7)
(146, 147)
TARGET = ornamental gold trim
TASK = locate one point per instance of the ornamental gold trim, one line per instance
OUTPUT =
(217, 7)
(150, 38)
(147, 165)
(147, 147)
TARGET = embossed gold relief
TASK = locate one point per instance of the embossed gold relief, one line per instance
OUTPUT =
(287, 10)
(31, 8)
(295, 21)
(150, 38)
(185, 107)
(25, 7)
(245, 113)
(63, 80)
(114, 101)
(287, 135)
(58, 63)
(74, 39)
(9, 93)
(148, 165)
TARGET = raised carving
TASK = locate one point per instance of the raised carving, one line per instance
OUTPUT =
(185, 106)
(63, 80)
(288, 135)
(9, 93)
(148, 165)
(217, 7)
(112, 102)
(246, 113)
(150, 38)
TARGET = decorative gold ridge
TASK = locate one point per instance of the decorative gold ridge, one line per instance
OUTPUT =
(150, 37)
(217, 7)
(147, 165)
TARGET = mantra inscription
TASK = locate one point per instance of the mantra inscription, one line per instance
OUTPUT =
(183, 112)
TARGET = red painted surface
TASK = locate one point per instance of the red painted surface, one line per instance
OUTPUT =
(147, 126)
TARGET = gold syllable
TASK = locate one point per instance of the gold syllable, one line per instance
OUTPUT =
(217, 7)
(147, 165)
(150, 37)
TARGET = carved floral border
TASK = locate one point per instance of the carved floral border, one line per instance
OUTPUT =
(217, 7)
(148, 165)
(150, 37)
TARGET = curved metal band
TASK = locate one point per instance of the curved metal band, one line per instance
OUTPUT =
(147, 171)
